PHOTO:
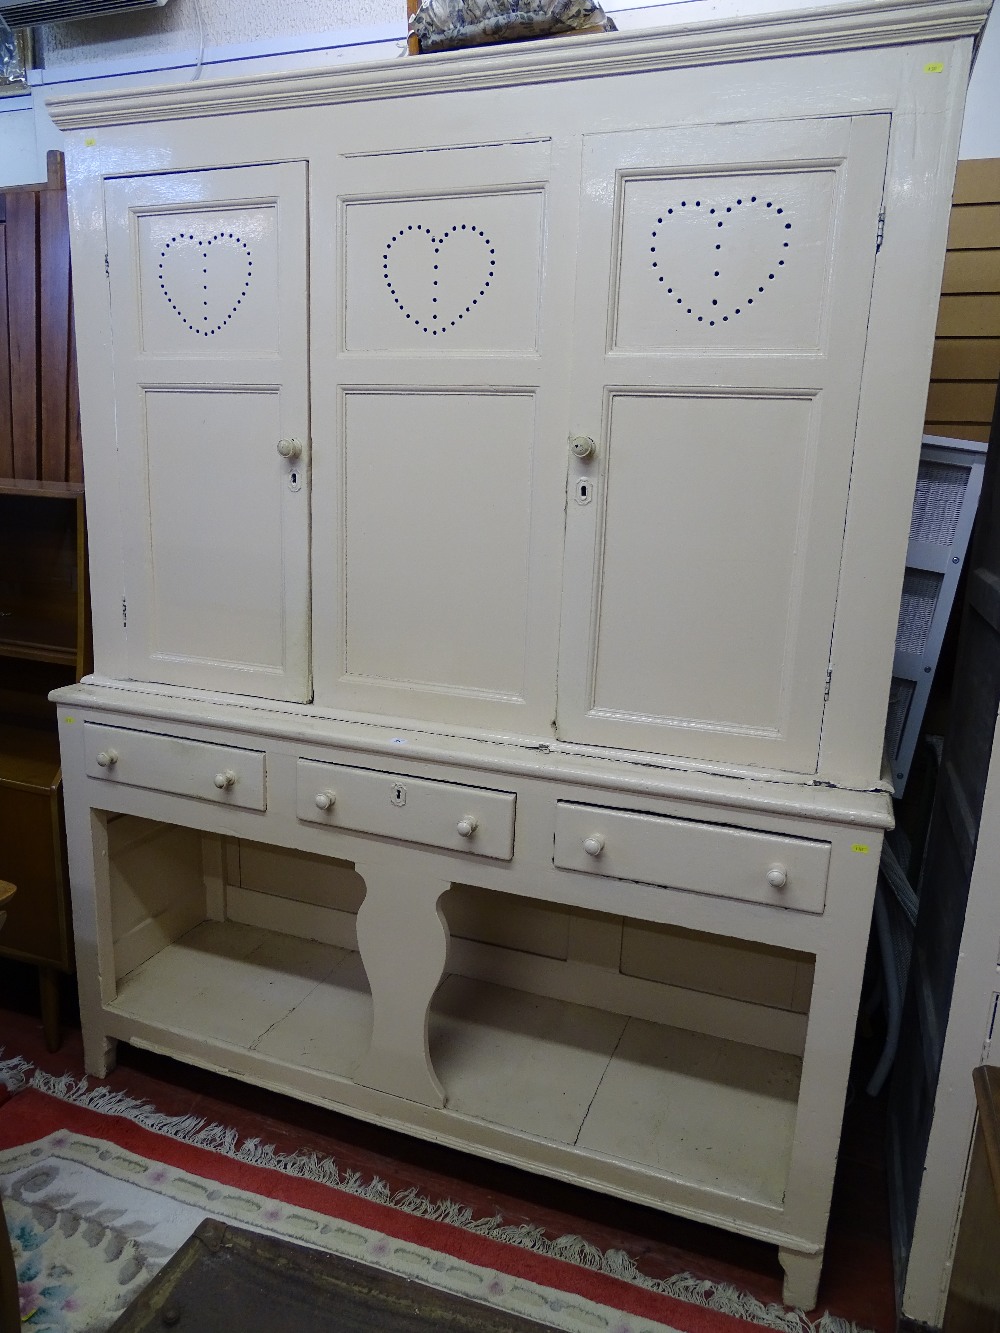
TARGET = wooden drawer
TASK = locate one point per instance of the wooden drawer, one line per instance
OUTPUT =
(167, 763)
(437, 814)
(682, 854)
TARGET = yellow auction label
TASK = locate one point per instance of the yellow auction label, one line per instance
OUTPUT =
(935, 67)
(860, 847)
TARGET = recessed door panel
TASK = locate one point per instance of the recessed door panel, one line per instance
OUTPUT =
(719, 349)
(210, 308)
(216, 598)
(460, 271)
(209, 280)
(689, 630)
(438, 506)
(724, 260)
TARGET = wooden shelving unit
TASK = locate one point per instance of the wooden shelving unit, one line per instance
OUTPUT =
(43, 636)
(44, 608)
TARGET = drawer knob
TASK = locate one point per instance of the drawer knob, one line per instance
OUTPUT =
(107, 759)
(325, 800)
(777, 877)
(289, 449)
(594, 845)
(467, 826)
(225, 780)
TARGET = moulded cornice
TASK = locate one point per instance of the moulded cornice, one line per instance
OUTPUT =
(833, 28)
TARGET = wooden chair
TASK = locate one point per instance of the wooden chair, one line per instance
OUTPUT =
(10, 1305)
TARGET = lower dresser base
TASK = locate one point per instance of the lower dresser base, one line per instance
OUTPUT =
(682, 1045)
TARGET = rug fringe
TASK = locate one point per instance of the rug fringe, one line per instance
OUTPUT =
(14, 1072)
(722, 1297)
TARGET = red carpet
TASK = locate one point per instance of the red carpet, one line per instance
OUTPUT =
(113, 1177)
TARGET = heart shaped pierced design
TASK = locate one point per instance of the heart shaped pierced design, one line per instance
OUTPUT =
(735, 292)
(436, 281)
(204, 279)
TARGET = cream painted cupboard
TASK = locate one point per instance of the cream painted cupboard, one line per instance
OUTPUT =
(499, 467)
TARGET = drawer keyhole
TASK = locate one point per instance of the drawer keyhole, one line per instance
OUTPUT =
(398, 795)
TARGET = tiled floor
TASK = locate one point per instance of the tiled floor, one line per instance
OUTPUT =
(857, 1275)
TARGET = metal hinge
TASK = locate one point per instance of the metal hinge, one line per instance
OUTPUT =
(880, 234)
(124, 615)
(107, 267)
(829, 677)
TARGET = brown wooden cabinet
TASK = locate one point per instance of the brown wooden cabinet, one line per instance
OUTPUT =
(44, 610)
(44, 633)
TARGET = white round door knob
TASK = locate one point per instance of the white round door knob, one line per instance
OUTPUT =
(325, 800)
(107, 759)
(289, 448)
(225, 780)
(594, 845)
(777, 877)
(583, 446)
(467, 826)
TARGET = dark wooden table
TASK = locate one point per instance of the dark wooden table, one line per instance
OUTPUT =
(228, 1280)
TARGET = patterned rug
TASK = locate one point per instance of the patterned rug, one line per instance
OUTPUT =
(100, 1190)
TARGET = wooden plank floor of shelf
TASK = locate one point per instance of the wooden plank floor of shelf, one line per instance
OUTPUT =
(662, 1099)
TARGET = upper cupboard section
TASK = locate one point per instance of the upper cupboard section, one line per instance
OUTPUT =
(691, 301)
(461, 270)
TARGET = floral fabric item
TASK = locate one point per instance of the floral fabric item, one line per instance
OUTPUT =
(440, 24)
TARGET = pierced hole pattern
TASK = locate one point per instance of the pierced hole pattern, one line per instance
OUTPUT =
(435, 322)
(197, 325)
(719, 215)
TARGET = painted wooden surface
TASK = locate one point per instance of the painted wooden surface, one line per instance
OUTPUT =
(161, 885)
(209, 299)
(448, 398)
(735, 300)
(572, 548)
(402, 407)
(788, 872)
(211, 772)
(440, 813)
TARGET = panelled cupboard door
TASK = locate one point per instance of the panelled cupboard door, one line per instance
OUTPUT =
(208, 274)
(437, 522)
(720, 337)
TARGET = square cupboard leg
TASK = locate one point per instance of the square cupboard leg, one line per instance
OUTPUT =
(403, 939)
(100, 1053)
(801, 1287)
